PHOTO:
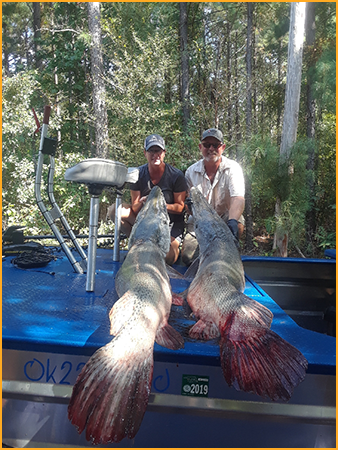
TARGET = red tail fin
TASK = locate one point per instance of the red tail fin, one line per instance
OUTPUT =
(111, 393)
(255, 359)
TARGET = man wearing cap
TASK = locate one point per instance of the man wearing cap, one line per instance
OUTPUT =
(221, 181)
(173, 185)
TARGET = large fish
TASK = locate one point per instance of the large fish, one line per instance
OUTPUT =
(253, 357)
(111, 393)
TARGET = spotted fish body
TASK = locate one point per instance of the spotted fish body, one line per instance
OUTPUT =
(253, 357)
(111, 394)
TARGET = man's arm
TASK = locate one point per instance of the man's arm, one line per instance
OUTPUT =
(236, 209)
(137, 201)
(178, 205)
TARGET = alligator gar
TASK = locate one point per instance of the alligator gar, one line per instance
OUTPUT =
(253, 357)
(111, 393)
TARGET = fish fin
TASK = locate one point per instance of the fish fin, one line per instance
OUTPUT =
(254, 312)
(255, 359)
(192, 269)
(121, 313)
(111, 393)
(204, 330)
(168, 337)
(173, 273)
(177, 299)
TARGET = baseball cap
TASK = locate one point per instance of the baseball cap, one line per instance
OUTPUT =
(213, 132)
(154, 139)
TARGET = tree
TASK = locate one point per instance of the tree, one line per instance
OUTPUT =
(37, 33)
(142, 73)
(291, 110)
(310, 33)
(99, 90)
(16, 37)
(184, 64)
(248, 205)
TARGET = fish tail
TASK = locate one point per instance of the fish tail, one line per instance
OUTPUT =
(255, 359)
(111, 393)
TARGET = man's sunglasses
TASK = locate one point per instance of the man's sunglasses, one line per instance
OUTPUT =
(207, 145)
(155, 150)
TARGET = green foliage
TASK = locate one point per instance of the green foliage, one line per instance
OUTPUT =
(325, 174)
(142, 61)
(325, 240)
(19, 95)
(325, 80)
(16, 23)
(18, 197)
(271, 180)
(260, 164)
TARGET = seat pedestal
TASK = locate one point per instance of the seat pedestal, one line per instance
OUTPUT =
(98, 174)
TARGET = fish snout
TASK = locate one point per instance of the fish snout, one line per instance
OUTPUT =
(156, 202)
(152, 222)
(197, 202)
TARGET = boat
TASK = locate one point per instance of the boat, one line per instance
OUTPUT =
(55, 316)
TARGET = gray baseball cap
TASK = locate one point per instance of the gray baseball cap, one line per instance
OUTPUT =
(154, 139)
(213, 132)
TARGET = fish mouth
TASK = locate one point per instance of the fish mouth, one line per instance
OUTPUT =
(197, 200)
(152, 222)
(155, 201)
(201, 210)
(155, 208)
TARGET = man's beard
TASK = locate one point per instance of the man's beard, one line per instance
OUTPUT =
(213, 157)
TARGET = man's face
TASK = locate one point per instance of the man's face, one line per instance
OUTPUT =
(155, 155)
(211, 149)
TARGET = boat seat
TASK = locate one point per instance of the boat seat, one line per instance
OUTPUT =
(98, 174)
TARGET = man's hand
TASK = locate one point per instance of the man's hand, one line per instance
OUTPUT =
(188, 204)
(233, 225)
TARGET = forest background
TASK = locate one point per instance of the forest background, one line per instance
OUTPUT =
(174, 69)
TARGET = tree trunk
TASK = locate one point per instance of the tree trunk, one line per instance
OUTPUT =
(56, 77)
(291, 110)
(215, 89)
(310, 33)
(230, 103)
(249, 70)
(184, 64)
(37, 33)
(280, 87)
(293, 78)
(167, 82)
(99, 90)
(205, 124)
(236, 100)
(254, 78)
(248, 203)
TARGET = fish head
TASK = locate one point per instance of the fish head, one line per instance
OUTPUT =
(208, 224)
(152, 222)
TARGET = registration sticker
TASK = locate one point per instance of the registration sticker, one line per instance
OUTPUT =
(195, 386)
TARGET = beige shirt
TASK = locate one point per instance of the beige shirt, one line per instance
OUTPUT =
(228, 182)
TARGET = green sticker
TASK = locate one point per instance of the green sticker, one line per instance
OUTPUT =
(195, 385)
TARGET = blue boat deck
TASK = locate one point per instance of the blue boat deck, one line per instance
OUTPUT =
(48, 310)
(51, 326)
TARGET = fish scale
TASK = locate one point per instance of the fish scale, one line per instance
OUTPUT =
(253, 357)
(111, 393)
